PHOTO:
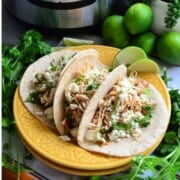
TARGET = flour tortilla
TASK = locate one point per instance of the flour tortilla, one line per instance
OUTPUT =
(40, 66)
(86, 62)
(126, 146)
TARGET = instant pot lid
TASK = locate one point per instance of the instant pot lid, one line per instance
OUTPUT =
(65, 14)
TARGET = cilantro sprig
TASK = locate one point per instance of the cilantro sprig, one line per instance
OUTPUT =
(153, 167)
(173, 13)
(15, 60)
(172, 137)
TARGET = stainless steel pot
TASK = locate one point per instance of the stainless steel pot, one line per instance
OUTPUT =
(64, 14)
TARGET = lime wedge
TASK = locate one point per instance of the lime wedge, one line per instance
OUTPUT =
(128, 55)
(144, 65)
(57, 48)
(68, 41)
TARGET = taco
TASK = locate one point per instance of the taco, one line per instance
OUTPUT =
(73, 94)
(39, 82)
(124, 117)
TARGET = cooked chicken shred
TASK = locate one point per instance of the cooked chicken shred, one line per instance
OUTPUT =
(77, 96)
(43, 86)
(123, 112)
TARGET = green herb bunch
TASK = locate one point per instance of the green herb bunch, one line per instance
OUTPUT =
(14, 61)
(172, 137)
(154, 168)
(173, 13)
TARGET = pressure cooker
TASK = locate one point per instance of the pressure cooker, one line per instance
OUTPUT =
(64, 14)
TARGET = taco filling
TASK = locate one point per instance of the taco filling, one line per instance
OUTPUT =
(77, 96)
(125, 110)
(43, 86)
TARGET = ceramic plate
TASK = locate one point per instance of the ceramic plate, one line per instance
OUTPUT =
(75, 171)
(78, 171)
(47, 143)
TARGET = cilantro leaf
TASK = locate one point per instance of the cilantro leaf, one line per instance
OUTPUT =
(14, 62)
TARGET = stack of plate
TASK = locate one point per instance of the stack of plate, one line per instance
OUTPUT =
(45, 144)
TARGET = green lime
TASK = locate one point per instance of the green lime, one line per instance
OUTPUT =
(138, 18)
(146, 41)
(68, 41)
(168, 48)
(144, 65)
(114, 32)
(128, 55)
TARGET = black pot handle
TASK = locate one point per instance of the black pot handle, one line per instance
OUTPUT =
(60, 5)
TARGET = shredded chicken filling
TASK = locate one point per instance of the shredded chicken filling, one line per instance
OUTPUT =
(44, 84)
(124, 111)
(77, 96)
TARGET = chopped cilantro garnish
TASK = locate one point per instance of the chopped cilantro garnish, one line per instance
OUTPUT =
(37, 77)
(114, 106)
(33, 97)
(147, 91)
(147, 109)
(79, 79)
(147, 112)
(145, 121)
(53, 67)
(121, 126)
(49, 85)
(110, 69)
(92, 86)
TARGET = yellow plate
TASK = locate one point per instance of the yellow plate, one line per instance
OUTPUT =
(75, 171)
(47, 143)
(78, 171)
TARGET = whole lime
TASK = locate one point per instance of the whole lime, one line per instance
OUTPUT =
(146, 41)
(168, 48)
(138, 18)
(114, 32)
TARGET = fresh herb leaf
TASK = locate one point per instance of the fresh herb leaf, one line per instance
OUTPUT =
(53, 67)
(172, 137)
(121, 126)
(37, 77)
(147, 91)
(15, 60)
(79, 79)
(164, 76)
(147, 112)
(145, 121)
(92, 86)
(95, 178)
(153, 167)
(173, 13)
(34, 97)
(147, 109)
(6, 122)
(114, 106)
(110, 69)
(49, 85)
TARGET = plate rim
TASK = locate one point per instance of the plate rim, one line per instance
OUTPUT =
(73, 170)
